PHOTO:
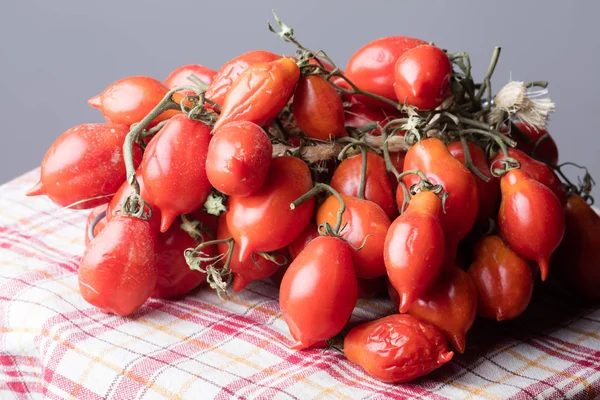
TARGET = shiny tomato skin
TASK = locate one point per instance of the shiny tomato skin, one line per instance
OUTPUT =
(318, 292)
(531, 219)
(346, 180)
(311, 232)
(263, 221)
(179, 76)
(528, 136)
(259, 93)
(129, 100)
(371, 68)
(450, 305)
(173, 168)
(361, 220)
(239, 156)
(84, 167)
(118, 269)
(414, 248)
(318, 109)
(231, 70)
(397, 349)
(99, 226)
(503, 280)
(359, 115)
(577, 260)
(422, 77)
(431, 156)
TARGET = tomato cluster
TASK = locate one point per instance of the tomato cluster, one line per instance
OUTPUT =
(333, 185)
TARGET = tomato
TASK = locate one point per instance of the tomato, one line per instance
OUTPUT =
(346, 180)
(398, 161)
(179, 77)
(397, 348)
(539, 171)
(260, 93)
(129, 100)
(84, 167)
(118, 270)
(461, 209)
(115, 204)
(577, 260)
(359, 115)
(503, 280)
(371, 68)
(414, 248)
(318, 292)
(527, 137)
(364, 224)
(238, 158)
(450, 306)
(93, 218)
(531, 219)
(173, 168)
(422, 77)
(369, 288)
(489, 192)
(311, 232)
(263, 221)
(231, 70)
(318, 109)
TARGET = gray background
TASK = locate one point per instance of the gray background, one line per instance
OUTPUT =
(55, 54)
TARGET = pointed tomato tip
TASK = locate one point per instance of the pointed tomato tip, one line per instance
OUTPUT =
(405, 303)
(543, 269)
(459, 343)
(239, 283)
(166, 221)
(245, 250)
(95, 101)
(445, 357)
(37, 190)
(298, 346)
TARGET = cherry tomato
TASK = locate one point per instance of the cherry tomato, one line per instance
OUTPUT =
(489, 192)
(369, 288)
(450, 306)
(115, 204)
(179, 77)
(238, 158)
(346, 180)
(118, 270)
(365, 224)
(231, 70)
(531, 219)
(527, 137)
(318, 109)
(311, 232)
(260, 93)
(318, 292)
(397, 348)
(414, 248)
(263, 221)
(503, 280)
(84, 167)
(371, 68)
(173, 168)
(100, 224)
(359, 115)
(129, 100)
(422, 77)
(539, 171)
(577, 261)
(433, 158)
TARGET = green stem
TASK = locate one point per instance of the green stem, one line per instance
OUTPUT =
(318, 188)
(469, 160)
(487, 83)
(154, 130)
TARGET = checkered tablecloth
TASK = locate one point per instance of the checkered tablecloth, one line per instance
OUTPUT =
(55, 345)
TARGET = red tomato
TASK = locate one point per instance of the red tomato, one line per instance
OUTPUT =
(397, 348)
(503, 280)
(422, 77)
(231, 70)
(539, 171)
(238, 158)
(346, 180)
(431, 156)
(371, 68)
(263, 221)
(361, 220)
(173, 168)
(369, 288)
(414, 248)
(311, 232)
(398, 161)
(179, 77)
(100, 224)
(531, 219)
(260, 93)
(359, 115)
(123, 193)
(318, 292)
(129, 100)
(577, 261)
(528, 136)
(118, 269)
(489, 192)
(318, 109)
(450, 306)
(84, 167)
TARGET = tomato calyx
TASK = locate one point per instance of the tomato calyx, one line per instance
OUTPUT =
(424, 185)
(325, 229)
(218, 278)
(215, 203)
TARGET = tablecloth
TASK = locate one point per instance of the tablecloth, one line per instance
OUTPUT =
(55, 345)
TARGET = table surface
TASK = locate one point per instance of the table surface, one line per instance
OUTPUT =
(55, 345)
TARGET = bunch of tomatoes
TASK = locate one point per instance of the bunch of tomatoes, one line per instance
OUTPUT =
(212, 177)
